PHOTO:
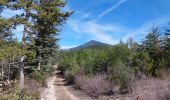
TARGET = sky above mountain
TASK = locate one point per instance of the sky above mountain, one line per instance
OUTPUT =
(109, 21)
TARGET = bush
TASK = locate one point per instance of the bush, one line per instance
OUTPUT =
(72, 72)
(30, 92)
(95, 85)
(122, 75)
(49, 70)
(39, 77)
(143, 62)
(66, 64)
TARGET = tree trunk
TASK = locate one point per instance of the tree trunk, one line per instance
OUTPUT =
(1, 80)
(39, 64)
(2, 71)
(9, 71)
(39, 60)
(9, 68)
(22, 73)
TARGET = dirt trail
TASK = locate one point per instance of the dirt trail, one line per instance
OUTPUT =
(68, 92)
(61, 90)
(49, 92)
(58, 90)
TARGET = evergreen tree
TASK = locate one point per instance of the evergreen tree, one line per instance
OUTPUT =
(167, 46)
(48, 20)
(5, 31)
(41, 20)
(26, 6)
(151, 41)
(152, 45)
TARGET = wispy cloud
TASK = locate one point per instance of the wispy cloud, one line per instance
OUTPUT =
(108, 32)
(112, 8)
(67, 47)
(94, 30)
(145, 28)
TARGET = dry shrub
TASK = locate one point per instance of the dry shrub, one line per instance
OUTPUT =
(33, 88)
(152, 89)
(94, 85)
(163, 94)
(30, 92)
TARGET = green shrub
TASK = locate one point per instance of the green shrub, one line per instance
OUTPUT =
(49, 70)
(71, 72)
(39, 77)
(121, 75)
(64, 65)
(143, 62)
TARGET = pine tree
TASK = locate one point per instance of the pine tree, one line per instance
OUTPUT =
(48, 19)
(152, 45)
(151, 42)
(167, 46)
(23, 19)
(5, 30)
(41, 20)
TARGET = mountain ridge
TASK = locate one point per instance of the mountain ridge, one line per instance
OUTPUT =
(91, 44)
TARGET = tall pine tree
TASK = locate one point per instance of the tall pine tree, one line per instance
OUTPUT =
(152, 45)
(167, 46)
(48, 19)
(26, 6)
(41, 20)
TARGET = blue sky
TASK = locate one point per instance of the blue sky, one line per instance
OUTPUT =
(109, 21)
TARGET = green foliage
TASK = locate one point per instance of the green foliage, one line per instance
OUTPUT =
(153, 46)
(5, 30)
(143, 63)
(151, 41)
(49, 70)
(122, 75)
(167, 47)
(94, 61)
(71, 72)
(47, 19)
(39, 76)
(41, 21)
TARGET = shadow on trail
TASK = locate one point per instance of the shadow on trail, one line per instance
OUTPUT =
(62, 81)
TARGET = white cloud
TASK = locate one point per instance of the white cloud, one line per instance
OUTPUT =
(94, 30)
(144, 29)
(112, 8)
(107, 32)
(83, 15)
(68, 46)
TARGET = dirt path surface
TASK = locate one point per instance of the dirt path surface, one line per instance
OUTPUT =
(49, 92)
(61, 90)
(58, 90)
(67, 92)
